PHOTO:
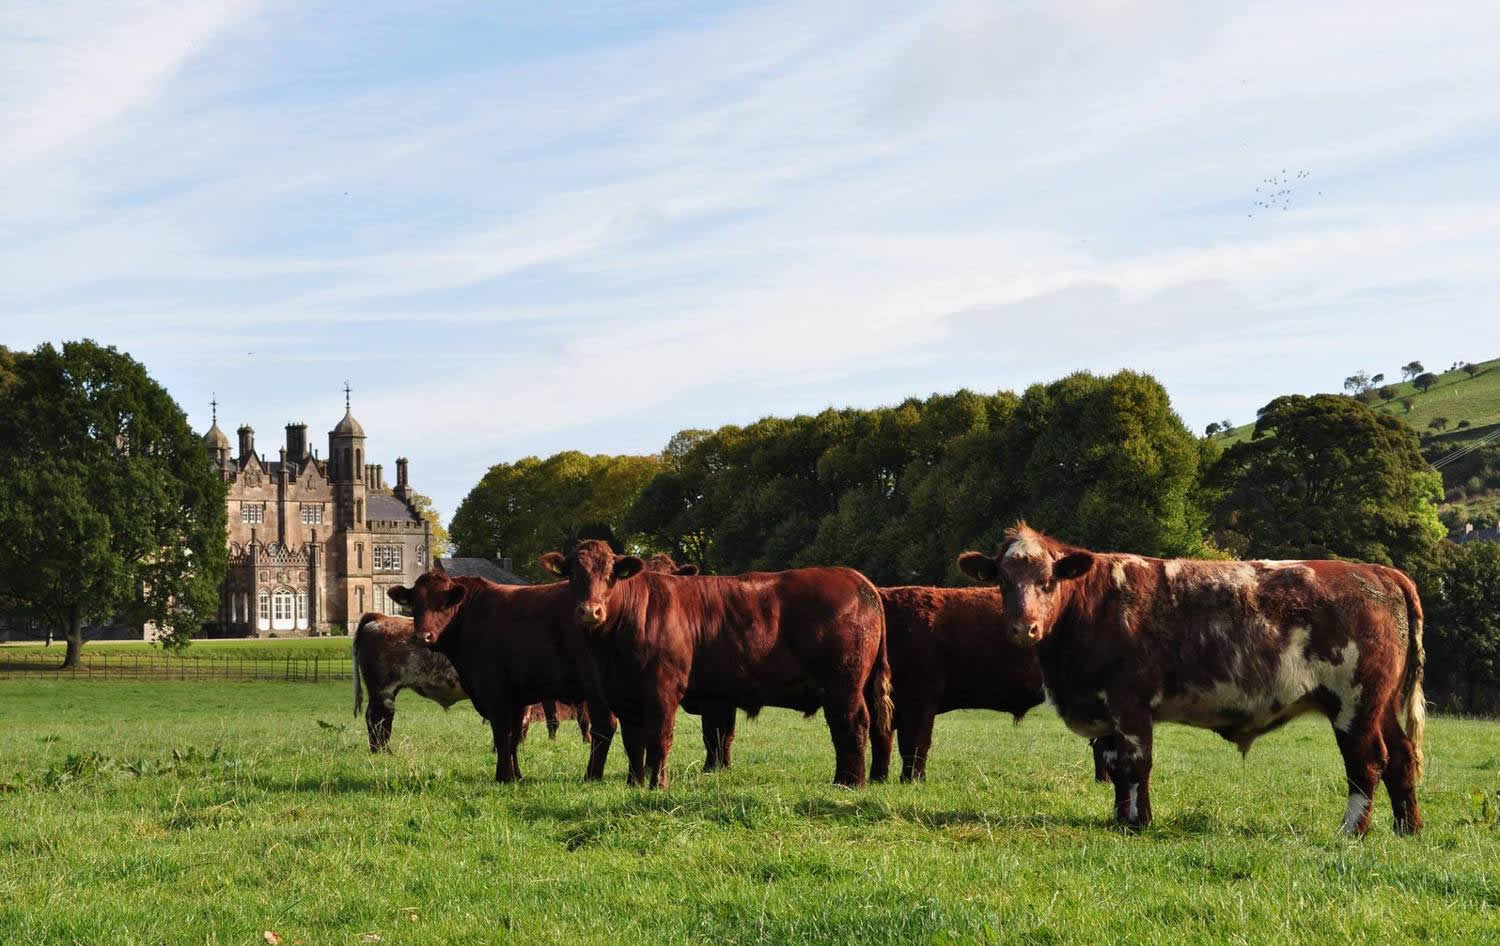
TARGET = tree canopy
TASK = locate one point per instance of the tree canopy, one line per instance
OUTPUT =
(1327, 476)
(109, 508)
(532, 506)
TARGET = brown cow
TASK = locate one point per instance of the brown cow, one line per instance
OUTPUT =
(387, 660)
(760, 639)
(512, 646)
(1236, 647)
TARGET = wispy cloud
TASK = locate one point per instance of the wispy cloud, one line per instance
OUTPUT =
(523, 228)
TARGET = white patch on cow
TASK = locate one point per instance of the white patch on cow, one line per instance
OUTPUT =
(1172, 568)
(1136, 747)
(1355, 813)
(1156, 699)
(1047, 698)
(1344, 687)
(1132, 806)
(1025, 546)
(1109, 756)
(1117, 573)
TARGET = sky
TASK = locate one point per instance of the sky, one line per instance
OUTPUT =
(519, 228)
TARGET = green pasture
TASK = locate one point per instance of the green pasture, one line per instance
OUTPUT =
(235, 648)
(140, 813)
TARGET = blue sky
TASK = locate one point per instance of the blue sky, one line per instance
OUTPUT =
(522, 228)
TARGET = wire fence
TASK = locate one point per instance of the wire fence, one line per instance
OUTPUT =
(292, 669)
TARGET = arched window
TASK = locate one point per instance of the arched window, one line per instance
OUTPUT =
(282, 617)
(358, 467)
(263, 610)
(302, 610)
(346, 467)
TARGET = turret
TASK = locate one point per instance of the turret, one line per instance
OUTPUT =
(247, 443)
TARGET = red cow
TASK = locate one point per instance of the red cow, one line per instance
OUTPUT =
(1236, 647)
(761, 639)
(388, 659)
(512, 645)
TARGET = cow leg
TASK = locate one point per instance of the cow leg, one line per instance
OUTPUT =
(1365, 757)
(660, 721)
(581, 714)
(1401, 775)
(504, 725)
(718, 735)
(1131, 769)
(380, 715)
(599, 737)
(915, 736)
(518, 733)
(635, 753)
(549, 708)
(880, 751)
(849, 725)
(1104, 753)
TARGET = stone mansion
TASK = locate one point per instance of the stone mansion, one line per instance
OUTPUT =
(313, 542)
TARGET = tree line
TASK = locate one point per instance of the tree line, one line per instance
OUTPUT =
(1103, 462)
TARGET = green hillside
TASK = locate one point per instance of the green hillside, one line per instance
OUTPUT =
(1471, 482)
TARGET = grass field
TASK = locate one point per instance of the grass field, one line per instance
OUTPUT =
(192, 813)
(250, 649)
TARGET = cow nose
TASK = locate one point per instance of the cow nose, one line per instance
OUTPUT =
(1034, 632)
(591, 613)
(429, 638)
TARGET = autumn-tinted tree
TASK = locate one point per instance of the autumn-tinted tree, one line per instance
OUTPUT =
(442, 545)
(532, 506)
(1425, 381)
(1326, 476)
(109, 508)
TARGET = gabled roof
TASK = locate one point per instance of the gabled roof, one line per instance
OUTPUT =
(480, 568)
(381, 506)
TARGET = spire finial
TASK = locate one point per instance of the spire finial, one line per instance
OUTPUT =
(215, 405)
(346, 397)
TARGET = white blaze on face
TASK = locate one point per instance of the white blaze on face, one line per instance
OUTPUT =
(1025, 546)
(1358, 805)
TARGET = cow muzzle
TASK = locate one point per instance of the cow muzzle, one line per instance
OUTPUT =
(590, 615)
(429, 638)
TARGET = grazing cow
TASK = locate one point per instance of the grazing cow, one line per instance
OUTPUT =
(388, 659)
(512, 646)
(761, 639)
(1236, 647)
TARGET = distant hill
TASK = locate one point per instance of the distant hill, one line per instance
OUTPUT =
(1471, 480)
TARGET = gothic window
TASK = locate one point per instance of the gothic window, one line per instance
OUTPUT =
(346, 466)
(357, 458)
(252, 512)
(387, 558)
(281, 607)
(312, 514)
(421, 556)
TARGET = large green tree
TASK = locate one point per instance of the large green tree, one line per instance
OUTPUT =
(1327, 476)
(1462, 597)
(109, 507)
(532, 506)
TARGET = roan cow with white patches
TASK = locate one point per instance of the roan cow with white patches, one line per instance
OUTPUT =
(1237, 647)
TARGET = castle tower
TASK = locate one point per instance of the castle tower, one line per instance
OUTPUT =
(346, 454)
(217, 441)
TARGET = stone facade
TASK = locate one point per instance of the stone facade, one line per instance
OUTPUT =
(313, 542)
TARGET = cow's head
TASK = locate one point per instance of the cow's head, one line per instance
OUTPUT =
(661, 563)
(1032, 570)
(434, 599)
(592, 569)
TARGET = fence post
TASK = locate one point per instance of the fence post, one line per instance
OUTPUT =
(315, 668)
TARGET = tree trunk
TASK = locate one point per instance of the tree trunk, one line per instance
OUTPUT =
(75, 639)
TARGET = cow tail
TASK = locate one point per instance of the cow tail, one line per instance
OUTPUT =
(1416, 658)
(358, 695)
(878, 688)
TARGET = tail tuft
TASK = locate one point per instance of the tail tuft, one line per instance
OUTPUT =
(1415, 708)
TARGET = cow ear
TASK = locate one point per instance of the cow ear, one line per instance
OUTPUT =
(687, 570)
(627, 565)
(979, 566)
(455, 596)
(1073, 565)
(554, 562)
(400, 595)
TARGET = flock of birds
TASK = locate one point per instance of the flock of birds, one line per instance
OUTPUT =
(1278, 190)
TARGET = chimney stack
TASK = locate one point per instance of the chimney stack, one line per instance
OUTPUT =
(296, 441)
(247, 443)
(379, 476)
(401, 487)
